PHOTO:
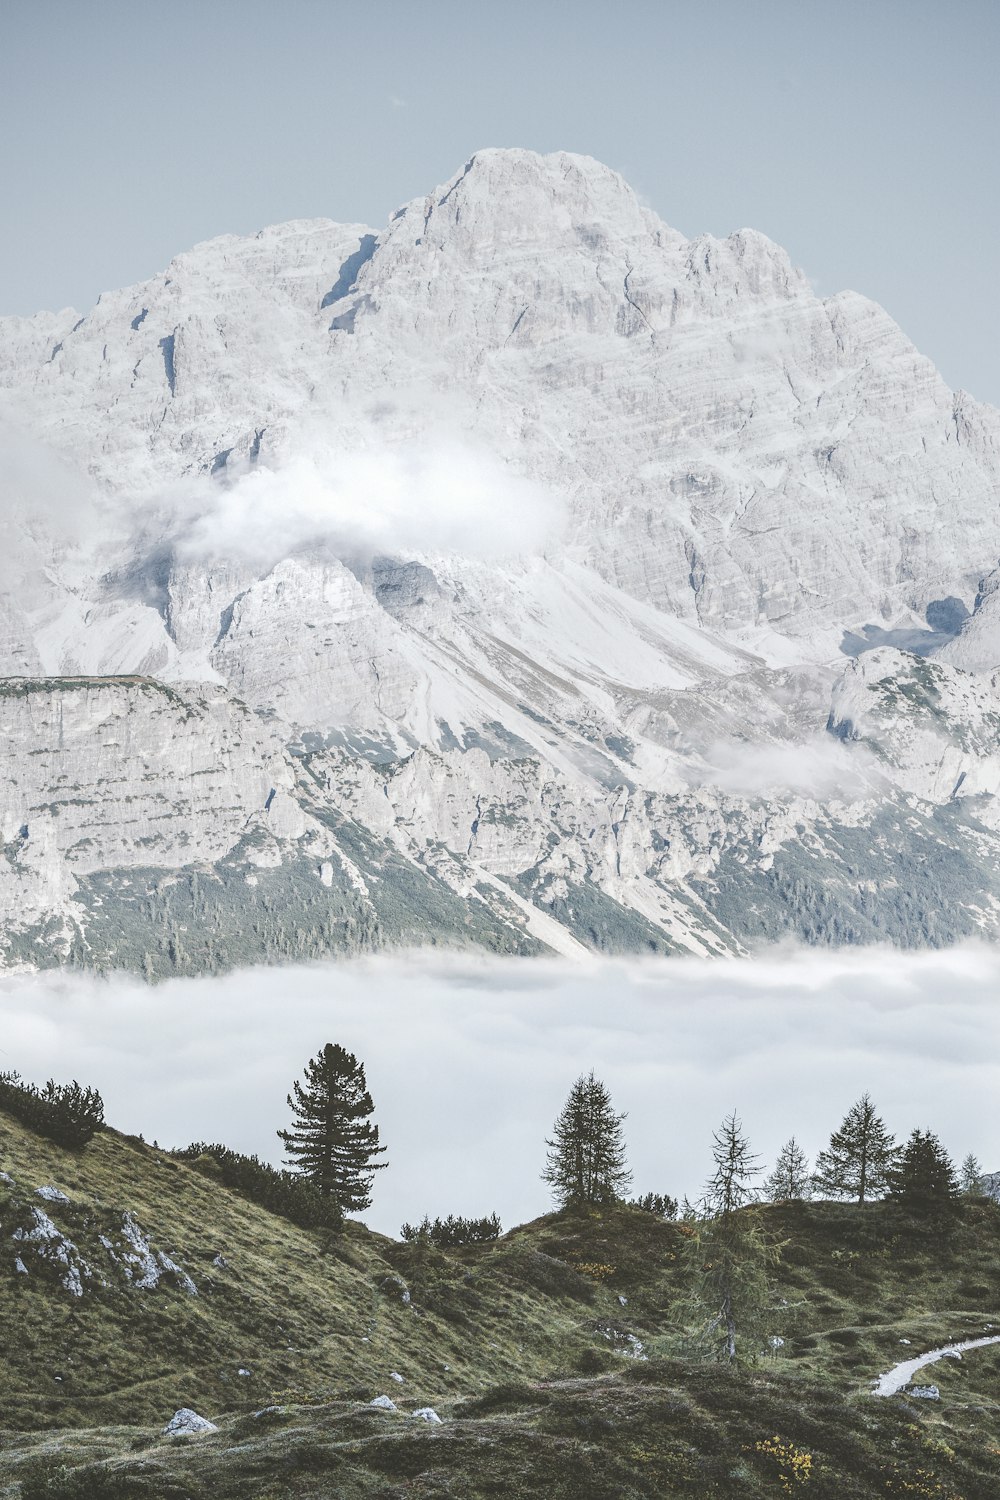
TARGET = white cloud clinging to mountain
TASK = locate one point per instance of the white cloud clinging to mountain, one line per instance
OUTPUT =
(418, 498)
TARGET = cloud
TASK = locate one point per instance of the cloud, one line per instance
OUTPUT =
(470, 1059)
(415, 498)
(820, 767)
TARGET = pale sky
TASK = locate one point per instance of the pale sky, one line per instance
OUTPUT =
(862, 135)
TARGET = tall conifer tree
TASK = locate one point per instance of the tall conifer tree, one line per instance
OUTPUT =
(860, 1156)
(924, 1182)
(586, 1158)
(332, 1140)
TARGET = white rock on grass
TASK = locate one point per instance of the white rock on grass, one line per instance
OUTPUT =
(49, 1243)
(143, 1266)
(51, 1194)
(426, 1414)
(384, 1403)
(187, 1423)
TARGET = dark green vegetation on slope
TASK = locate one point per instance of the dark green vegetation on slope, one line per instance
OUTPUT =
(522, 1346)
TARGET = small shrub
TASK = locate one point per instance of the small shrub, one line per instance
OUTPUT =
(283, 1193)
(65, 1113)
(453, 1231)
(920, 1483)
(661, 1205)
(789, 1465)
(597, 1270)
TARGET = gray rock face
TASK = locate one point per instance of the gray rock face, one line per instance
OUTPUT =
(991, 1185)
(210, 843)
(486, 580)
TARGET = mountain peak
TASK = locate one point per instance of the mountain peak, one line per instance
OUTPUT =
(512, 195)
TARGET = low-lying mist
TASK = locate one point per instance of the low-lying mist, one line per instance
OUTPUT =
(469, 1059)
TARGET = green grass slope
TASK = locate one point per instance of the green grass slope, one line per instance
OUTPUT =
(553, 1357)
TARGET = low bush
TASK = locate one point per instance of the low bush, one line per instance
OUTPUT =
(65, 1113)
(280, 1192)
(453, 1231)
(659, 1204)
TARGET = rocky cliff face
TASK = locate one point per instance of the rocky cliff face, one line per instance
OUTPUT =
(512, 574)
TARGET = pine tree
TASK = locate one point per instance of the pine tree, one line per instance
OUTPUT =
(729, 1254)
(923, 1182)
(790, 1179)
(860, 1156)
(970, 1176)
(332, 1141)
(586, 1155)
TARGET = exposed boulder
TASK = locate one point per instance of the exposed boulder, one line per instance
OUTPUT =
(187, 1423)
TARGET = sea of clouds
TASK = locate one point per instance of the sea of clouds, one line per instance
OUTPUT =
(469, 1059)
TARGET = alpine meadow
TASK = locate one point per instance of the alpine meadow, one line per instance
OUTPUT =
(499, 752)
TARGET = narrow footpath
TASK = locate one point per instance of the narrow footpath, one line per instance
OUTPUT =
(900, 1375)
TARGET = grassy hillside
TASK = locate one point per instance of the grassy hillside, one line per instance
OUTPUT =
(553, 1357)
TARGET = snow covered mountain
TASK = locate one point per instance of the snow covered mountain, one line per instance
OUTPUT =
(523, 574)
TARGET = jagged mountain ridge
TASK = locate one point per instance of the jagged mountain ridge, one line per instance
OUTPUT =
(695, 481)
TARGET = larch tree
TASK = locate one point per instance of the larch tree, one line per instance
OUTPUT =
(332, 1141)
(729, 1255)
(731, 1185)
(860, 1157)
(586, 1160)
(791, 1178)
